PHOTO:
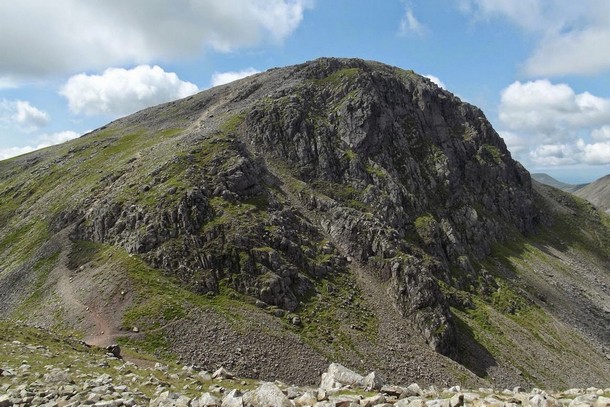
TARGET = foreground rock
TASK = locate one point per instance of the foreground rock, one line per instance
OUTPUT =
(86, 378)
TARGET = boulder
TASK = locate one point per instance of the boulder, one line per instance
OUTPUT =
(543, 400)
(306, 399)
(338, 376)
(373, 382)
(165, 399)
(58, 376)
(602, 402)
(222, 373)
(266, 395)
(438, 403)
(373, 401)
(490, 401)
(115, 350)
(412, 390)
(411, 402)
(207, 400)
(233, 399)
(584, 400)
(457, 400)
(345, 401)
(394, 391)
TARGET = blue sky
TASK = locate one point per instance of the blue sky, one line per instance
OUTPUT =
(539, 69)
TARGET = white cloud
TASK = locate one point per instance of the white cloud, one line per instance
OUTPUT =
(8, 83)
(552, 155)
(14, 151)
(30, 117)
(576, 52)
(220, 78)
(39, 38)
(571, 36)
(46, 140)
(527, 14)
(42, 141)
(601, 134)
(552, 112)
(551, 125)
(436, 80)
(594, 153)
(410, 25)
(515, 142)
(123, 91)
(21, 115)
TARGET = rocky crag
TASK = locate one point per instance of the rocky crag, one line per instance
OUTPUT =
(335, 210)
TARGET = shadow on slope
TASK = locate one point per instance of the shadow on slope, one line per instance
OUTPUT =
(543, 309)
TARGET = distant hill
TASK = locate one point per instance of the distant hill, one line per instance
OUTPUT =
(546, 179)
(597, 192)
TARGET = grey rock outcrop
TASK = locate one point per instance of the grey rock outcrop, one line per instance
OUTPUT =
(391, 162)
(372, 381)
(267, 394)
(338, 376)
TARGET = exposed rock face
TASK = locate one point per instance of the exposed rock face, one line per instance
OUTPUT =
(388, 160)
(351, 203)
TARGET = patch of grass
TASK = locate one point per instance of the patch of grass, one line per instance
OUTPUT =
(345, 194)
(375, 170)
(42, 268)
(334, 313)
(351, 154)
(338, 77)
(426, 227)
(490, 151)
(231, 125)
(21, 243)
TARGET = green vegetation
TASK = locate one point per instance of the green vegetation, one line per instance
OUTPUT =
(375, 170)
(231, 125)
(42, 268)
(490, 310)
(21, 243)
(426, 227)
(338, 77)
(490, 151)
(159, 299)
(334, 314)
(346, 194)
(351, 154)
(39, 349)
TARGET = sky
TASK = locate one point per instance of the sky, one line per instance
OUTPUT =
(539, 69)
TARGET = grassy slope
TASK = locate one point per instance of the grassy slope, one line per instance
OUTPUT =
(525, 320)
(39, 186)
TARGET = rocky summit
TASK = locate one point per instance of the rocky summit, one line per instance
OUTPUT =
(339, 210)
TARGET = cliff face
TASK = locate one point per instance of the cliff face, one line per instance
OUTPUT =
(273, 184)
(387, 161)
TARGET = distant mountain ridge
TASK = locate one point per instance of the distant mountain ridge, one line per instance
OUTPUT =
(546, 179)
(337, 210)
(597, 192)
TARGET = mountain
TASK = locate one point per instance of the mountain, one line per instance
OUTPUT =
(546, 179)
(338, 210)
(597, 192)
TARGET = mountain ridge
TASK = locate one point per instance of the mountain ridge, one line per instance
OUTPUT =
(548, 180)
(322, 205)
(597, 192)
